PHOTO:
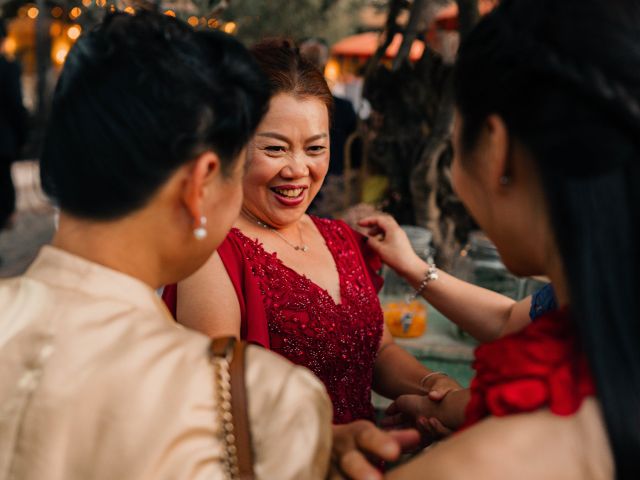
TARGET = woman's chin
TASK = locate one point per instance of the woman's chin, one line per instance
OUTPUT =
(283, 212)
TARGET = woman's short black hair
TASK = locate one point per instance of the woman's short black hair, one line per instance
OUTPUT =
(139, 96)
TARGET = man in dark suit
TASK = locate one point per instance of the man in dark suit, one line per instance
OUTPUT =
(343, 124)
(344, 120)
(13, 129)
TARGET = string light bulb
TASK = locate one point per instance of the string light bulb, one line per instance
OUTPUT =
(74, 32)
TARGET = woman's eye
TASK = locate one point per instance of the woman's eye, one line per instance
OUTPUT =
(316, 149)
(275, 149)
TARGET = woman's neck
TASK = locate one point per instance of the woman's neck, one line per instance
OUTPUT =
(258, 223)
(120, 245)
(555, 272)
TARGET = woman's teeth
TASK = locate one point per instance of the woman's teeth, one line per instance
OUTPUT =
(289, 192)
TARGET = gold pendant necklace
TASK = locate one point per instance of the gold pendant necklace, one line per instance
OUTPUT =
(303, 247)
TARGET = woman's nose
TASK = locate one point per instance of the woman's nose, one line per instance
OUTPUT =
(296, 166)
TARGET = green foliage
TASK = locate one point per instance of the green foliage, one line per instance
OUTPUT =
(257, 19)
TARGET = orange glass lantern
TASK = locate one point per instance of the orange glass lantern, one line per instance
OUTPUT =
(406, 320)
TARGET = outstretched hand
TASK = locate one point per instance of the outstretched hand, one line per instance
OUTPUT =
(433, 418)
(357, 444)
(389, 241)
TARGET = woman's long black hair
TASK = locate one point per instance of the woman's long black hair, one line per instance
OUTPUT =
(565, 77)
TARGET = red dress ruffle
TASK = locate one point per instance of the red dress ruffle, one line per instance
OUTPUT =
(542, 366)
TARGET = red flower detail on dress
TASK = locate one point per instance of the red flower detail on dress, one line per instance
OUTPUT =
(542, 366)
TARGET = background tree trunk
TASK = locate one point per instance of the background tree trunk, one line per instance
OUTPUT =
(415, 147)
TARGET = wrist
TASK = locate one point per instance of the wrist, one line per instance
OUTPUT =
(430, 276)
(425, 384)
(455, 405)
(413, 270)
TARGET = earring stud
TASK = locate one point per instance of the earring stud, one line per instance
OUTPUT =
(505, 180)
(200, 233)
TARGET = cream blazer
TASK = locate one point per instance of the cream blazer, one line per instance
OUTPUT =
(98, 382)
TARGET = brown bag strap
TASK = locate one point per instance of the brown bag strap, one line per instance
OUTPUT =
(241, 447)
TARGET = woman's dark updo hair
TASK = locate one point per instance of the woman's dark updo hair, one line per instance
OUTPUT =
(139, 96)
(565, 77)
(289, 72)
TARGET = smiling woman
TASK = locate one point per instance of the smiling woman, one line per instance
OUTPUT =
(302, 286)
(288, 160)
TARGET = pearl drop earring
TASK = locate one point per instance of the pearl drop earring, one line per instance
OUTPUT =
(505, 180)
(201, 232)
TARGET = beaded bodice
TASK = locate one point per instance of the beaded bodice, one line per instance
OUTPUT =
(337, 342)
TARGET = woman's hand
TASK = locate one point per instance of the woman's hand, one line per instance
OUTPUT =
(390, 242)
(438, 385)
(357, 444)
(433, 418)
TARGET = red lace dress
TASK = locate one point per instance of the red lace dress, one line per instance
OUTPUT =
(289, 314)
(541, 366)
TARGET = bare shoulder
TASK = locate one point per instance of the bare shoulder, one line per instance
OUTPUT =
(527, 446)
(207, 301)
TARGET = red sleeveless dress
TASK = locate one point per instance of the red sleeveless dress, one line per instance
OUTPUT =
(542, 366)
(289, 314)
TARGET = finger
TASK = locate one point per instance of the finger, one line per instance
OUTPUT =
(409, 404)
(378, 443)
(432, 428)
(334, 473)
(438, 428)
(370, 220)
(355, 466)
(438, 394)
(408, 439)
(428, 433)
(374, 234)
(392, 409)
(383, 221)
(393, 421)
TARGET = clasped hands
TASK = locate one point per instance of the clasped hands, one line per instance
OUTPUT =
(435, 414)
(412, 421)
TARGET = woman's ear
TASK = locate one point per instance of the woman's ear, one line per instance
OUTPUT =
(204, 170)
(496, 151)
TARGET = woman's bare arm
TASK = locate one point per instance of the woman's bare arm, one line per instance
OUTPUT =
(397, 372)
(482, 313)
(528, 446)
(207, 301)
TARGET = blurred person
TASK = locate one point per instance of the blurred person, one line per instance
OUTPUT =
(343, 120)
(144, 155)
(13, 129)
(484, 314)
(548, 163)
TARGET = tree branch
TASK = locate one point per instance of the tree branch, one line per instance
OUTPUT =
(391, 28)
(219, 8)
(423, 14)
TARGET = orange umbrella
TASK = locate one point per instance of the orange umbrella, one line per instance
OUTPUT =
(447, 18)
(364, 45)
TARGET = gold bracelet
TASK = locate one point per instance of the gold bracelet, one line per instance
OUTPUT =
(426, 377)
